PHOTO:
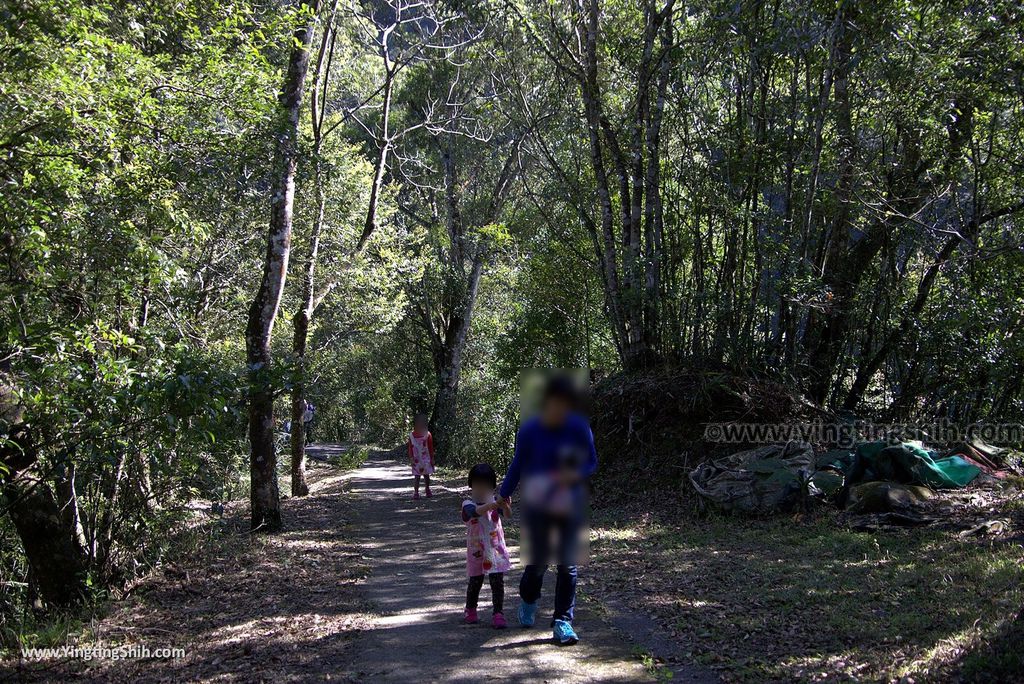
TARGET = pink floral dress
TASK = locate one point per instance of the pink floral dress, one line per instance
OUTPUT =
(486, 552)
(421, 449)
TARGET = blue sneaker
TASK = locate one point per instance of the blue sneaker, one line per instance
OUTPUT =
(564, 633)
(527, 613)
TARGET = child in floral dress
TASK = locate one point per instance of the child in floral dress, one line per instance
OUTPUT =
(421, 454)
(486, 553)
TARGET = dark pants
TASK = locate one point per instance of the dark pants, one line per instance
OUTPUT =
(541, 527)
(476, 582)
(565, 589)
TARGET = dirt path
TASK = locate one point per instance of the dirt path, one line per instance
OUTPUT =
(417, 589)
(364, 585)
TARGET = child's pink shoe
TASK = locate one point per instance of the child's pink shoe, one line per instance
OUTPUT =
(429, 493)
(471, 618)
(415, 496)
(498, 621)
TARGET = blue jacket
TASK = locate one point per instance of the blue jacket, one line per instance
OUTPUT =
(540, 449)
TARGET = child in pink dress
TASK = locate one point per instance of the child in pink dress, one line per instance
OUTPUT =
(421, 454)
(486, 553)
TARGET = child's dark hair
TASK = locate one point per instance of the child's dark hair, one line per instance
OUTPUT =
(482, 472)
(561, 386)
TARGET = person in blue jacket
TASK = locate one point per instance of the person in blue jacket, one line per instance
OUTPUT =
(554, 457)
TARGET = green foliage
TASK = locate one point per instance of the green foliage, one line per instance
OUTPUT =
(133, 144)
(136, 148)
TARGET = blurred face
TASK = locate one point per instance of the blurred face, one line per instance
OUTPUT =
(482, 491)
(420, 425)
(554, 411)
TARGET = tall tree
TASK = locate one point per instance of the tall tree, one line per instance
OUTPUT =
(265, 497)
(310, 298)
(470, 244)
(624, 154)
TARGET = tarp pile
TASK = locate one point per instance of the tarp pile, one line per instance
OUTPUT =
(763, 480)
(781, 477)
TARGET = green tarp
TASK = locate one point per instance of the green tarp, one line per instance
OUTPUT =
(778, 477)
(910, 462)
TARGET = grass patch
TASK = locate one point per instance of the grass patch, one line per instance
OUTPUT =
(450, 473)
(778, 600)
(1000, 658)
(351, 458)
(39, 632)
(651, 664)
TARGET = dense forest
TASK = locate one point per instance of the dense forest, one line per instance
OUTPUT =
(213, 212)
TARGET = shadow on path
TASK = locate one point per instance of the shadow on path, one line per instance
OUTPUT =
(417, 583)
(363, 584)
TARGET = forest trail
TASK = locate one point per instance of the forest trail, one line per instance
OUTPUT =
(416, 587)
(363, 585)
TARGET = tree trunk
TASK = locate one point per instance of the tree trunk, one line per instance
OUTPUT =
(443, 420)
(380, 166)
(298, 431)
(67, 499)
(448, 340)
(264, 495)
(833, 246)
(912, 185)
(632, 289)
(653, 209)
(304, 316)
(870, 366)
(56, 559)
(604, 243)
(301, 323)
(868, 369)
(108, 520)
(51, 547)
